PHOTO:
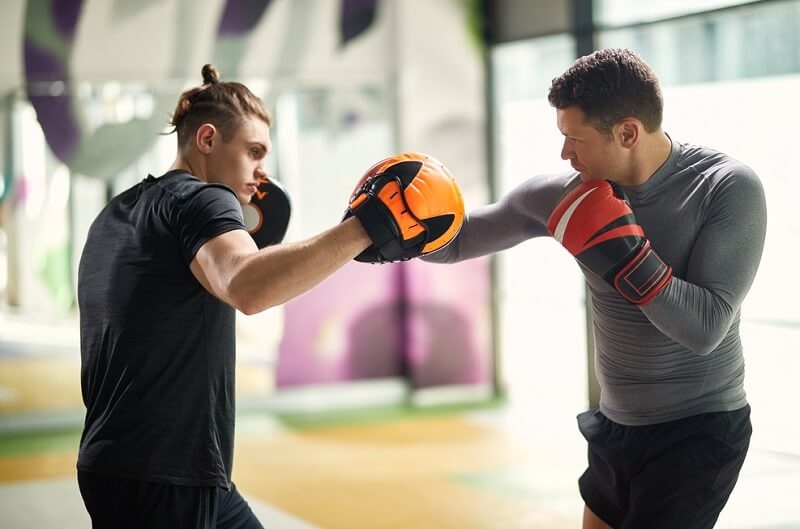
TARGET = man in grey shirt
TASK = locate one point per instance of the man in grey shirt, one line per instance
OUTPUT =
(669, 236)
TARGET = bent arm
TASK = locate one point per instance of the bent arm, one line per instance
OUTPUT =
(231, 267)
(698, 310)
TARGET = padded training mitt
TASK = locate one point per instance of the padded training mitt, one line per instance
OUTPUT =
(410, 205)
(267, 215)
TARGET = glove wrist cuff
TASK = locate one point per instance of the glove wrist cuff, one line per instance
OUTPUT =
(377, 221)
(643, 277)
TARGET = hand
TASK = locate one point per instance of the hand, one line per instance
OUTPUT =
(597, 226)
(409, 205)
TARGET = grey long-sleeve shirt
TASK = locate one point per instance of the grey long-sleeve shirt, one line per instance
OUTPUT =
(679, 355)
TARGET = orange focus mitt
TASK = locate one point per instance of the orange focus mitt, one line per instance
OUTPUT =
(410, 205)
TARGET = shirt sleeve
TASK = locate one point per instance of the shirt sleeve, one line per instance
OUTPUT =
(202, 215)
(698, 310)
(519, 215)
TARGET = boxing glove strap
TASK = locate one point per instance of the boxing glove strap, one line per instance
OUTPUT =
(381, 227)
(643, 277)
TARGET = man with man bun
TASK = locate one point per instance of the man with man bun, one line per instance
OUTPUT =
(165, 266)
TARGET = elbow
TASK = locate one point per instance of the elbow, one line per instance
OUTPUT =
(712, 331)
(445, 255)
(249, 303)
(243, 298)
(703, 348)
(705, 326)
(706, 341)
(249, 306)
(242, 304)
(248, 309)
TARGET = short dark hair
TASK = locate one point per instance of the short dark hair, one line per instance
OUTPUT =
(610, 85)
(225, 104)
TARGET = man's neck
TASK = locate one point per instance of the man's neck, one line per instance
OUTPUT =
(184, 164)
(655, 152)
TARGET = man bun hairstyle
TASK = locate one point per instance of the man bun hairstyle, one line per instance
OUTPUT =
(610, 85)
(210, 74)
(225, 104)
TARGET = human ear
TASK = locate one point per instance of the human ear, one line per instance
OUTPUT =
(205, 137)
(628, 133)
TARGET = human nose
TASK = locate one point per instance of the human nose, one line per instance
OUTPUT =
(566, 151)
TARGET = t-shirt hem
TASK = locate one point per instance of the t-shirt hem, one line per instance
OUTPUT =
(630, 419)
(158, 478)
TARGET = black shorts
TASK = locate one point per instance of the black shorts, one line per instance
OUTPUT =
(677, 474)
(115, 503)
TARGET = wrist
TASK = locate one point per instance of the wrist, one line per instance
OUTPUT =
(643, 277)
(356, 232)
(378, 224)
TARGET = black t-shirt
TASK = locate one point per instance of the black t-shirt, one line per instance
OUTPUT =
(157, 349)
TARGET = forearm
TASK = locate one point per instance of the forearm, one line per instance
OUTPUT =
(481, 234)
(488, 229)
(230, 267)
(277, 274)
(691, 315)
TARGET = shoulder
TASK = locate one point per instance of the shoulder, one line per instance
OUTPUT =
(726, 179)
(537, 196)
(547, 188)
(713, 163)
(189, 200)
(188, 193)
(184, 186)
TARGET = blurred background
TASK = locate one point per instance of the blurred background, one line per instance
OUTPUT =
(434, 364)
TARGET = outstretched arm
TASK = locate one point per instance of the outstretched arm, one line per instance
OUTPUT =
(251, 280)
(518, 216)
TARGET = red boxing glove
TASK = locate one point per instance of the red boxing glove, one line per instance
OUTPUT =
(596, 225)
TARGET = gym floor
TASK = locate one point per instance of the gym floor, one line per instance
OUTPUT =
(445, 470)
(481, 467)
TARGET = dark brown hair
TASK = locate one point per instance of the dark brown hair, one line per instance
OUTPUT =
(610, 85)
(225, 104)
